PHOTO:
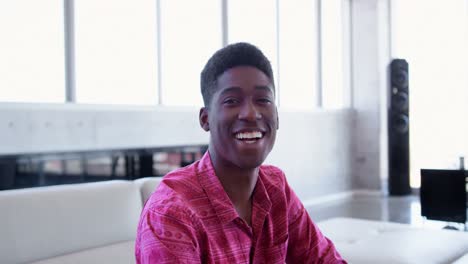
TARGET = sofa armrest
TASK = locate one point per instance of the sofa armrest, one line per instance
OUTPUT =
(44, 222)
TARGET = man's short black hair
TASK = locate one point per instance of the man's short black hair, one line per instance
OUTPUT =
(238, 54)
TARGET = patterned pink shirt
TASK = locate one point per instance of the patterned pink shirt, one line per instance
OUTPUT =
(190, 219)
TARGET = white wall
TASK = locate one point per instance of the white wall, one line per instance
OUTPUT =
(31, 128)
(314, 151)
(313, 148)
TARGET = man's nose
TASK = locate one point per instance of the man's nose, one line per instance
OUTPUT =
(249, 112)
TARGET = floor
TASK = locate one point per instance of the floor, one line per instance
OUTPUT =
(403, 209)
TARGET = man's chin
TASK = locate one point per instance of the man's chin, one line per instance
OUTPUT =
(250, 163)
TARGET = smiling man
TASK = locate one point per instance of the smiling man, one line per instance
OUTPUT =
(228, 207)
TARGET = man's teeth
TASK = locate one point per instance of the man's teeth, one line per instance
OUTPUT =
(249, 135)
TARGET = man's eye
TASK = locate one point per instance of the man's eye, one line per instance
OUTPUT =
(231, 101)
(264, 101)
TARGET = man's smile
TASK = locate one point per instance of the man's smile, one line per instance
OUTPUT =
(249, 137)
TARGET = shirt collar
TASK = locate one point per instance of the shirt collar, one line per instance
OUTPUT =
(219, 198)
(261, 204)
(261, 199)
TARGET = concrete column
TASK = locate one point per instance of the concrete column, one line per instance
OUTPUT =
(370, 55)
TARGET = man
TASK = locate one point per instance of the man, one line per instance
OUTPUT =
(228, 207)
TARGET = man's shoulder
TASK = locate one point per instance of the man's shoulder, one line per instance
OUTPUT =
(171, 205)
(187, 173)
(176, 192)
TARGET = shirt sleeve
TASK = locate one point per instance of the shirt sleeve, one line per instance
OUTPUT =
(166, 236)
(306, 242)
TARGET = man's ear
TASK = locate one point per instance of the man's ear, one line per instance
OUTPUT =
(203, 118)
(277, 118)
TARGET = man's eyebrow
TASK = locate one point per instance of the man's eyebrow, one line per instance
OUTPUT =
(237, 89)
(264, 87)
(231, 89)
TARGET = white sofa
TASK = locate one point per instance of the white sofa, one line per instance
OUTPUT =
(364, 241)
(78, 223)
(96, 223)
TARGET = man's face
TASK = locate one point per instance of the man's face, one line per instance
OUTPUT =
(242, 118)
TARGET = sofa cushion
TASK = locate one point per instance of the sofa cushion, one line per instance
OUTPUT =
(44, 222)
(364, 241)
(120, 253)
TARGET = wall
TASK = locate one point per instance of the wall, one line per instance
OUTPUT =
(29, 128)
(312, 148)
(314, 151)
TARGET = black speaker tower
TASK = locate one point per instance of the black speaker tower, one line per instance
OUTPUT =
(398, 129)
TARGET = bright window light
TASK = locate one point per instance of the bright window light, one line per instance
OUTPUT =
(432, 37)
(32, 64)
(332, 46)
(190, 34)
(116, 52)
(298, 54)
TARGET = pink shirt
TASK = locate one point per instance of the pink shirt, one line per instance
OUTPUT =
(190, 219)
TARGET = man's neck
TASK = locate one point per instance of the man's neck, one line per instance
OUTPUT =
(239, 185)
(237, 182)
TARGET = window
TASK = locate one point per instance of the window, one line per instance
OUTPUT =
(255, 22)
(298, 54)
(115, 54)
(332, 52)
(432, 37)
(32, 64)
(190, 33)
(152, 52)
